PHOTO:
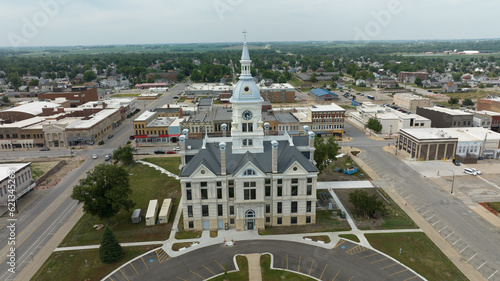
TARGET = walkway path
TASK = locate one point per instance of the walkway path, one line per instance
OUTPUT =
(254, 270)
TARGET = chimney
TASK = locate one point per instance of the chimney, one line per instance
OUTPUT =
(168, 105)
(266, 127)
(274, 145)
(182, 142)
(224, 129)
(222, 147)
(311, 146)
(306, 130)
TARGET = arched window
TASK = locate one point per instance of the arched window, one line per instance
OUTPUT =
(250, 214)
(249, 172)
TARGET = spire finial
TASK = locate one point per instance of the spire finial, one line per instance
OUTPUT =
(245, 34)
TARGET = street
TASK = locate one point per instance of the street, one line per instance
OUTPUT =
(37, 223)
(473, 237)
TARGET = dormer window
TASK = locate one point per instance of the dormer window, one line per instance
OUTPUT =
(249, 172)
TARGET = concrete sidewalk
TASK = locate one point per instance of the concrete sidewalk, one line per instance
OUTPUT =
(254, 270)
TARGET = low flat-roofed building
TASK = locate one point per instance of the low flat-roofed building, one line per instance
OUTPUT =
(26, 111)
(278, 92)
(150, 128)
(410, 101)
(76, 96)
(391, 120)
(490, 104)
(287, 123)
(93, 128)
(487, 119)
(445, 117)
(21, 174)
(447, 143)
(21, 134)
(323, 95)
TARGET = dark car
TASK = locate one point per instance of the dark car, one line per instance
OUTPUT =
(44, 149)
(456, 162)
(131, 137)
(110, 136)
(170, 152)
(107, 157)
(159, 151)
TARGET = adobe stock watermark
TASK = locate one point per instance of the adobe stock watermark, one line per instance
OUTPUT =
(31, 25)
(223, 6)
(381, 18)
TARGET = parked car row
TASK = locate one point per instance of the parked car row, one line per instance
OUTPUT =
(395, 107)
(159, 151)
(472, 171)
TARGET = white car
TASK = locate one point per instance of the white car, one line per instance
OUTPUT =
(477, 171)
(94, 156)
(470, 171)
(177, 148)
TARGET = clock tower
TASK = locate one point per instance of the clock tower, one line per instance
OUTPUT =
(246, 128)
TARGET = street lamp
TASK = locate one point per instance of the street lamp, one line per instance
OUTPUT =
(453, 181)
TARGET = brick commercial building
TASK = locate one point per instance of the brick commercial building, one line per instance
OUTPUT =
(409, 77)
(410, 101)
(77, 95)
(492, 104)
(445, 117)
(282, 92)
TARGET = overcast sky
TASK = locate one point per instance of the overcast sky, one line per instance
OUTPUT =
(104, 22)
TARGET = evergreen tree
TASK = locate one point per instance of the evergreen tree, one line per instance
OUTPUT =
(110, 250)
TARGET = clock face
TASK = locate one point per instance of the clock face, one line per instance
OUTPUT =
(247, 115)
(246, 90)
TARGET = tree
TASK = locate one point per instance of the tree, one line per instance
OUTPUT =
(89, 76)
(124, 154)
(104, 192)
(453, 101)
(313, 78)
(456, 76)
(366, 204)
(110, 250)
(467, 102)
(374, 125)
(325, 151)
(418, 81)
(5, 99)
(14, 80)
(34, 82)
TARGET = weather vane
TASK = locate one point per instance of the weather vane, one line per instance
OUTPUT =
(245, 34)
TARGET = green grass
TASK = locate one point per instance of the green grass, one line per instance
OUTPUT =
(360, 89)
(39, 169)
(70, 265)
(181, 99)
(240, 275)
(417, 252)
(324, 223)
(351, 237)
(269, 274)
(347, 106)
(470, 95)
(147, 184)
(170, 164)
(395, 217)
(494, 205)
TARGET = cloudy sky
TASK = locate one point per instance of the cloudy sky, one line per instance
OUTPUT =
(96, 22)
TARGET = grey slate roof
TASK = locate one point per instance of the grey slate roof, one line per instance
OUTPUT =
(210, 157)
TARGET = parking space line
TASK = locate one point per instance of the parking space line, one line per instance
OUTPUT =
(389, 265)
(286, 261)
(355, 250)
(399, 272)
(134, 268)
(481, 265)
(492, 274)
(220, 265)
(113, 280)
(425, 213)
(124, 275)
(351, 278)
(449, 234)
(336, 275)
(464, 249)
(411, 278)
(298, 268)
(145, 263)
(379, 260)
(181, 278)
(340, 243)
(435, 222)
(208, 269)
(323, 272)
(443, 228)
(472, 257)
(370, 255)
(430, 217)
(310, 269)
(456, 241)
(197, 274)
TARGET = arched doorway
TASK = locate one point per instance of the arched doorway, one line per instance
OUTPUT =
(249, 220)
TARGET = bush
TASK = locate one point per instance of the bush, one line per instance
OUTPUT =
(101, 142)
